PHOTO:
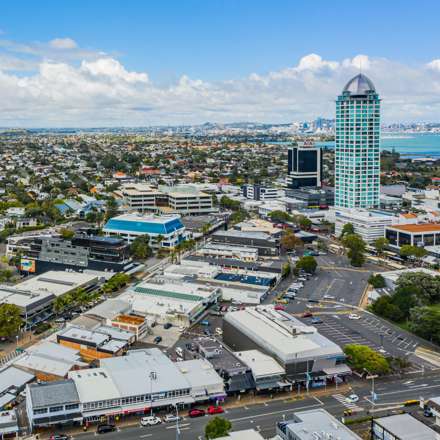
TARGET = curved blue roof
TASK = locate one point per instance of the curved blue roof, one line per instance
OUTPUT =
(144, 227)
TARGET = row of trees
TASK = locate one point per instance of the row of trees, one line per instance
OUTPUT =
(301, 221)
(415, 301)
(366, 360)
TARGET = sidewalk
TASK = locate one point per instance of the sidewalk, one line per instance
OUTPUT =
(232, 402)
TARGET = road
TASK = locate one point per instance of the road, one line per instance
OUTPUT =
(263, 417)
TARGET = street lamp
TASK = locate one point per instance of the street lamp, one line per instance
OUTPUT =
(373, 394)
(176, 405)
(153, 376)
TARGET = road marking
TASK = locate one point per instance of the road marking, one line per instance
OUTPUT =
(275, 412)
(145, 435)
(180, 426)
(319, 401)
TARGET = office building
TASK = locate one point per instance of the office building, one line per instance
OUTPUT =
(305, 354)
(310, 197)
(266, 244)
(179, 199)
(42, 254)
(260, 192)
(369, 224)
(168, 228)
(53, 403)
(422, 234)
(357, 145)
(35, 296)
(304, 165)
(314, 424)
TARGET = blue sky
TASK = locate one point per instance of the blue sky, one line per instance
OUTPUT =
(216, 42)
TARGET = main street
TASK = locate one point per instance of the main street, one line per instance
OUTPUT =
(390, 392)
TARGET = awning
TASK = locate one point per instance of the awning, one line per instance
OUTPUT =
(268, 385)
(338, 369)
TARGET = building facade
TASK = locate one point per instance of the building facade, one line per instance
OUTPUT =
(259, 192)
(304, 166)
(357, 145)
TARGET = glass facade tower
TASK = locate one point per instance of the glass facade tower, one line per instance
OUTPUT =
(357, 145)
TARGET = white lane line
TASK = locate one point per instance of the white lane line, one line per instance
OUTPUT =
(319, 401)
(275, 412)
(145, 435)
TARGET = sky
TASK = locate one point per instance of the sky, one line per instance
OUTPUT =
(79, 63)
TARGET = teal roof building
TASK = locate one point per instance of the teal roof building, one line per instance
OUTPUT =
(357, 145)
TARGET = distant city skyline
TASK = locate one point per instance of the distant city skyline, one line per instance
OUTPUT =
(83, 64)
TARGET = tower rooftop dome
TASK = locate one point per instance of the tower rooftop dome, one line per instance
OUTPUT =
(359, 85)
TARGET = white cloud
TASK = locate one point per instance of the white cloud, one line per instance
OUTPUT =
(63, 43)
(100, 90)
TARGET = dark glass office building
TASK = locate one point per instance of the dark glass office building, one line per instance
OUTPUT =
(304, 166)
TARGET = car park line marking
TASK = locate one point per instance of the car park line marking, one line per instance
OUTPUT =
(145, 435)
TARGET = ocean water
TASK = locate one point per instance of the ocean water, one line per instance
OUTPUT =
(407, 144)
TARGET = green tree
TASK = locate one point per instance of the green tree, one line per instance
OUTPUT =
(67, 233)
(384, 307)
(425, 322)
(10, 320)
(362, 357)
(217, 427)
(356, 249)
(278, 216)
(112, 208)
(227, 203)
(380, 244)
(423, 285)
(377, 281)
(140, 247)
(58, 305)
(302, 221)
(286, 269)
(307, 263)
(347, 229)
(408, 250)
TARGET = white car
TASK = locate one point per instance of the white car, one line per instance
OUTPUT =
(354, 316)
(179, 351)
(219, 331)
(150, 421)
(352, 398)
(171, 418)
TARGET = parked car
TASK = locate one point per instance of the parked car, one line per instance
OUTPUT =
(206, 332)
(167, 325)
(150, 421)
(196, 412)
(204, 322)
(316, 321)
(215, 409)
(279, 307)
(171, 418)
(218, 331)
(179, 351)
(353, 316)
(59, 437)
(307, 314)
(104, 428)
(427, 412)
(157, 339)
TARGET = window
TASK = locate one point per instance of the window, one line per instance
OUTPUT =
(72, 406)
(40, 411)
(53, 409)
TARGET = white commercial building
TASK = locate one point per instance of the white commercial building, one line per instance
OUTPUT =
(168, 228)
(369, 224)
(392, 276)
(297, 347)
(175, 301)
(35, 295)
(245, 253)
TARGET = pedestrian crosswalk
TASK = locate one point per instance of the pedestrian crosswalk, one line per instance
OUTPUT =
(343, 400)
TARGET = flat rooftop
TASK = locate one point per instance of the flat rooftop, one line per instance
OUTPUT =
(260, 363)
(406, 427)
(282, 334)
(306, 424)
(422, 227)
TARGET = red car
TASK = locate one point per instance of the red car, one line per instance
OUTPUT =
(279, 307)
(196, 412)
(307, 315)
(215, 410)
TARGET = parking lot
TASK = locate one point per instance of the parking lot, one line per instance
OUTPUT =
(370, 331)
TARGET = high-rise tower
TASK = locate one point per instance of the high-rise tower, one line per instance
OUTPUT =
(357, 145)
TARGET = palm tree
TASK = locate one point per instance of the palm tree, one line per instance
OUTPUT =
(58, 305)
